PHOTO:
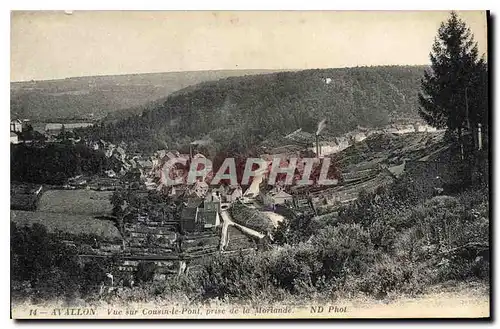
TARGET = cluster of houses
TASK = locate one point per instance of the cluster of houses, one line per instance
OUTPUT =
(133, 166)
(51, 131)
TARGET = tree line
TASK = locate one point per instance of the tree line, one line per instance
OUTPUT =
(54, 163)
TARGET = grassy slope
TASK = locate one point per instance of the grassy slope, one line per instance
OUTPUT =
(67, 223)
(80, 202)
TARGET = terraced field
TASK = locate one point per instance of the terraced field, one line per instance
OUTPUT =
(388, 149)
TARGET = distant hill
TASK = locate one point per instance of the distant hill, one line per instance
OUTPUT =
(240, 112)
(97, 97)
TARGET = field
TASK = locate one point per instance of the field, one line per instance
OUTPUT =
(68, 223)
(78, 202)
(238, 240)
(251, 218)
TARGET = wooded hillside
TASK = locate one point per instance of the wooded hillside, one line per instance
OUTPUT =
(239, 112)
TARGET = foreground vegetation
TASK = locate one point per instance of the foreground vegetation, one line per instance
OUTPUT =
(389, 242)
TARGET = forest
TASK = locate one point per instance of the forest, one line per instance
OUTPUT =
(53, 163)
(240, 112)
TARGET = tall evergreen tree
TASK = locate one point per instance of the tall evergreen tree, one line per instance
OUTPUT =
(454, 92)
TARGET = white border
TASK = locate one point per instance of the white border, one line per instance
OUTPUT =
(186, 5)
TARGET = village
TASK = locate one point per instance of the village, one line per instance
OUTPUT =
(185, 223)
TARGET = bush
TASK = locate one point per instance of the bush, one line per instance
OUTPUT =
(389, 275)
(294, 268)
(343, 249)
(237, 276)
(451, 234)
(42, 264)
(145, 271)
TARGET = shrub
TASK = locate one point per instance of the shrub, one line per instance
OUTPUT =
(451, 235)
(145, 271)
(346, 248)
(294, 268)
(390, 275)
(40, 261)
(235, 276)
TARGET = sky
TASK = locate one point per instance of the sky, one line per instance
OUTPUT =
(57, 44)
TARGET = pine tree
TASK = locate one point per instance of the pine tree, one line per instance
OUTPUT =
(454, 92)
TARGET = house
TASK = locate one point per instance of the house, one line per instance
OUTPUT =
(119, 153)
(424, 128)
(405, 129)
(234, 193)
(175, 191)
(150, 184)
(189, 215)
(97, 145)
(333, 146)
(160, 154)
(276, 196)
(398, 170)
(110, 173)
(222, 190)
(209, 218)
(78, 181)
(356, 136)
(200, 189)
(16, 125)
(303, 202)
(14, 139)
(145, 164)
(212, 202)
(199, 214)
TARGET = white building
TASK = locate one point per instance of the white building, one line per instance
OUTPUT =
(13, 138)
(16, 126)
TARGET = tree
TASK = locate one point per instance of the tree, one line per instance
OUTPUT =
(453, 92)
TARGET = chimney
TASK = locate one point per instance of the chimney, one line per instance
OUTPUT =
(317, 146)
(479, 137)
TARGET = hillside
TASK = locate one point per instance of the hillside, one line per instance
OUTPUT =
(96, 97)
(240, 112)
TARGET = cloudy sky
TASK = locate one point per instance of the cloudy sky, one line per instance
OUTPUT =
(52, 45)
